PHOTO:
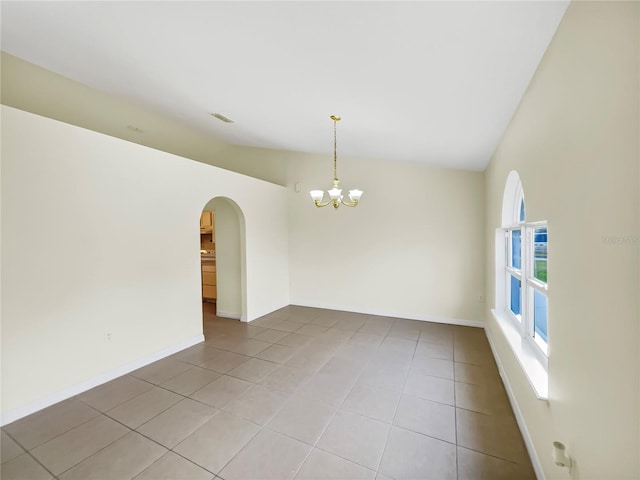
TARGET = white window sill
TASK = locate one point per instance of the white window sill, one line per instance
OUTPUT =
(535, 371)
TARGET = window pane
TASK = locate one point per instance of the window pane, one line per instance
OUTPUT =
(540, 315)
(516, 248)
(522, 210)
(540, 253)
(515, 295)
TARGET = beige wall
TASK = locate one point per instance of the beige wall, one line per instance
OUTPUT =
(413, 248)
(31, 88)
(120, 226)
(574, 143)
(417, 255)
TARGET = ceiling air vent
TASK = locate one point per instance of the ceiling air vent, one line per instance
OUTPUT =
(219, 116)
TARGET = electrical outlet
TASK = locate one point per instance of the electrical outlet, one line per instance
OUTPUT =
(481, 299)
(107, 337)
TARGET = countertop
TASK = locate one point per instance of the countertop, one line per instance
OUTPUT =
(207, 255)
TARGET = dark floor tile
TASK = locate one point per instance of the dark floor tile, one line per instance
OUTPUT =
(178, 422)
(495, 435)
(46, 424)
(434, 419)
(74, 446)
(410, 455)
(144, 407)
(10, 449)
(268, 456)
(24, 467)
(113, 393)
(173, 467)
(477, 466)
(356, 438)
(161, 371)
(124, 458)
(214, 444)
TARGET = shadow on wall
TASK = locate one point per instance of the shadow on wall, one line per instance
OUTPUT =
(230, 254)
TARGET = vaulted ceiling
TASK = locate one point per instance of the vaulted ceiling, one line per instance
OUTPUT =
(432, 82)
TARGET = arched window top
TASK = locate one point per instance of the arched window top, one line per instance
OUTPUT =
(521, 283)
(513, 206)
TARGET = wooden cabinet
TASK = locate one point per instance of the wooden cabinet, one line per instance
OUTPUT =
(208, 278)
(206, 219)
(207, 249)
(206, 222)
(209, 281)
(209, 292)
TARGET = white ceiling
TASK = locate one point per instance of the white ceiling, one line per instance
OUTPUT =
(433, 82)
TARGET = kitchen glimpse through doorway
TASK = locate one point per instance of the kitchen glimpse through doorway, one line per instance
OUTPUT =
(222, 259)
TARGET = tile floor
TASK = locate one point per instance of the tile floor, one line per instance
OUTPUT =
(301, 393)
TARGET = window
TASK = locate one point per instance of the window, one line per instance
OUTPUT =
(525, 287)
(538, 287)
(522, 294)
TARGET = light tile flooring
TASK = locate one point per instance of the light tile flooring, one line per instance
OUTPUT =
(301, 393)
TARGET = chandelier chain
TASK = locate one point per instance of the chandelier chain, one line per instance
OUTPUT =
(335, 155)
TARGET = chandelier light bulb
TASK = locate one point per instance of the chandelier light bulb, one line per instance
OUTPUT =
(355, 195)
(335, 194)
(317, 195)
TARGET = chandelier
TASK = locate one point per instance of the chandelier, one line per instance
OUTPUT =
(335, 194)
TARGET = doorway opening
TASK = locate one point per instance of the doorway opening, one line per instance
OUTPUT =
(223, 260)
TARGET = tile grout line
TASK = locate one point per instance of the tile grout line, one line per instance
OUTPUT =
(337, 409)
(455, 406)
(156, 442)
(395, 412)
(61, 434)
(314, 446)
(28, 452)
(491, 455)
(102, 448)
(261, 428)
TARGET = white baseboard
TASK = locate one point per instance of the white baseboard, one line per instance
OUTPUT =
(401, 315)
(36, 405)
(535, 460)
(234, 316)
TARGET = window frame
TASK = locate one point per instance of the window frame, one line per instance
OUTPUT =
(525, 320)
(533, 284)
(512, 272)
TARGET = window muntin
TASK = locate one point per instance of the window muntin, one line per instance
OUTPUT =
(526, 291)
(537, 286)
(514, 274)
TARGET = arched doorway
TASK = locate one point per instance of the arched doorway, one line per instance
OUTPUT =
(229, 258)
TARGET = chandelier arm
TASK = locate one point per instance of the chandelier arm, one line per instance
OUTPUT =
(348, 204)
(319, 204)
